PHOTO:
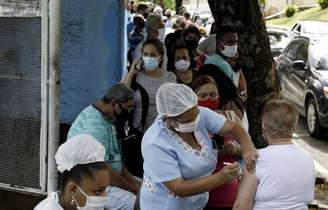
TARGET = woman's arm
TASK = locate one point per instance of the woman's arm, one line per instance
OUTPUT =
(184, 188)
(137, 64)
(246, 192)
(133, 182)
(116, 179)
(249, 152)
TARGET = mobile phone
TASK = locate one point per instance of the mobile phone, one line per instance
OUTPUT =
(140, 67)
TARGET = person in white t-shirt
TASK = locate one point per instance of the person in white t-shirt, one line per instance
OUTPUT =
(285, 174)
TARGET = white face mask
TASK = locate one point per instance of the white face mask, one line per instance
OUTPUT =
(188, 127)
(161, 34)
(230, 51)
(182, 65)
(92, 202)
(150, 63)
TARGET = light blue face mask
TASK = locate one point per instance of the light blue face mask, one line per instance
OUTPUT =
(150, 63)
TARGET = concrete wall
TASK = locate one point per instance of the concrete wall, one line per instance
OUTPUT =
(282, 4)
(91, 57)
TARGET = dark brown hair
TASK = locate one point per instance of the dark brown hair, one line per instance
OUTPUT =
(202, 80)
(157, 44)
(80, 172)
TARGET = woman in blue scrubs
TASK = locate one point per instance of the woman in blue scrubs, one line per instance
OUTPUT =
(179, 156)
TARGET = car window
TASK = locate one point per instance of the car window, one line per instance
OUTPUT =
(302, 52)
(292, 50)
(294, 27)
(297, 28)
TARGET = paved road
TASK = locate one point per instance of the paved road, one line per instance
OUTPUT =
(319, 150)
(317, 147)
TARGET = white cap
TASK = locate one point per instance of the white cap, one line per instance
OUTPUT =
(174, 99)
(80, 149)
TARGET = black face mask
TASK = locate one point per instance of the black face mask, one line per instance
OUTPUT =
(145, 15)
(141, 25)
(123, 117)
(191, 44)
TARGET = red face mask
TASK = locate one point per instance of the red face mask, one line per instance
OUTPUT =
(210, 103)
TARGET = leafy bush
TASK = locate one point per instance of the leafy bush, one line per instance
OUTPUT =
(323, 4)
(290, 11)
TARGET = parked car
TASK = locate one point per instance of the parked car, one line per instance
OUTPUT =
(310, 28)
(303, 74)
(279, 38)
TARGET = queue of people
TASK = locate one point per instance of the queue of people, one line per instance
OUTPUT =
(174, 134)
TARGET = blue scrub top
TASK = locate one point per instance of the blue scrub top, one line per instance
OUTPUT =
(167, 157)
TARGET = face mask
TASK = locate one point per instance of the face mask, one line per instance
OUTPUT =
(188, 127)
(210, 103)
(150, 63)
(182, 65)
(229, 51)
(141, 25)
(123, 116)
(191, 44)
(161, 34)
(145, 15)
(92, 202)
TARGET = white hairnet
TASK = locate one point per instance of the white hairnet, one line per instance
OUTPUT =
(174, 99)
(80, 149)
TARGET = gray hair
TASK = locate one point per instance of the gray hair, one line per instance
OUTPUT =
(120, 92)
(279, 119)
(152, 20)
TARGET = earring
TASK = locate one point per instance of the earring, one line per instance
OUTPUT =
(72, 202)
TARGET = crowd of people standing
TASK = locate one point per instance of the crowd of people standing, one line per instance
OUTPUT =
(173, 135)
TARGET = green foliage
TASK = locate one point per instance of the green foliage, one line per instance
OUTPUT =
(315, 13)
(262, 2)
(163, 3)
(323, 4)
(290, 11)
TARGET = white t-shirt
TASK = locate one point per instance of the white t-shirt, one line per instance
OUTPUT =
(50, 203)
(286, 177)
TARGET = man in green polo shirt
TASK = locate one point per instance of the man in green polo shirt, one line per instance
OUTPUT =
(101, 120)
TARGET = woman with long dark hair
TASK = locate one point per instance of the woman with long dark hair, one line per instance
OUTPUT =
(229, 96)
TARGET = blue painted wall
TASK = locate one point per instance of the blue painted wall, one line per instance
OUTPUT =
(91, 52)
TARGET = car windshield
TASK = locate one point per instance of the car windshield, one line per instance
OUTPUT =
(319, 58)
(320, 28)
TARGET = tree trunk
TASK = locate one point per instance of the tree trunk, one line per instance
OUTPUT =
(178, 4)
(258, 67)
(161, 3)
